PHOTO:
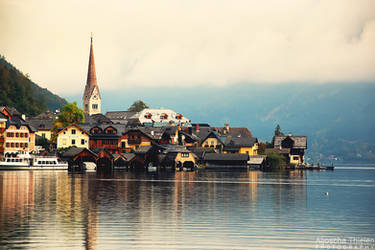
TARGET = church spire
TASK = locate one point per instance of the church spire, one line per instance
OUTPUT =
(91, 74)
(91, 96)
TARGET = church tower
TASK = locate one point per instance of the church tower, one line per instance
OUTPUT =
(91, 96)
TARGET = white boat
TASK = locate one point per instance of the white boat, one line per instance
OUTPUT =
(48, 163)
(23, 161)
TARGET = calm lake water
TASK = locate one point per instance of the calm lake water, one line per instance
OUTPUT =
(202, 210)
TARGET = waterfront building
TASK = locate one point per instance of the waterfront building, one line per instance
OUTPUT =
(3, 121)
(133, 138)
(19, 136)
(292, 147)
(73, 135)
(91, 96)
(241, 145)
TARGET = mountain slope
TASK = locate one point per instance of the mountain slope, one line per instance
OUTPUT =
(18, 91)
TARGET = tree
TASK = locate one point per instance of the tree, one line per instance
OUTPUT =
(275, 161)
(278, 131)
(138, 106)
(70, 114)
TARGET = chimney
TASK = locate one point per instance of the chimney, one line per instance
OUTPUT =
(226, 127)
(197, 128)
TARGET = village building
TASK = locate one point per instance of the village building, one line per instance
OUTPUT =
(91, 96)
(120, 117)
(3, 121)
(43, 124)
(18, 135)
(292, 147)
(104, 136)
(158, 118)
(73, 135)
(241, 145)
(215, 160)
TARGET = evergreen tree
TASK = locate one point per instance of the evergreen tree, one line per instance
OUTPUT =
(278, 131)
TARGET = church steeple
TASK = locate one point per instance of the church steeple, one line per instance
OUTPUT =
(91, 96)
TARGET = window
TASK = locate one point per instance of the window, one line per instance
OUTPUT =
(26, 145)
(22, 135)
(17, 145)
(212, 143)
(73, 142)
(26, 135)
(295, 158)
(43, 135)
(122, 144)
(12, 145)
(95, 106)
(184, 154)
(21, 144)
(7, 144)
(17, 134)
(73, 131)
(82, 141)
(86, 106)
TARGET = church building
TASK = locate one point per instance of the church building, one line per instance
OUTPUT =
(91, 96)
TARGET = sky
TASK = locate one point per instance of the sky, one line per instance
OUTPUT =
(176, 43)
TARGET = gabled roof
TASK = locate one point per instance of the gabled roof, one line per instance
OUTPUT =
(221, 139)
(97, 119)
(120, 129)
(73, 151)
(40, 123)
(2, 116)
(300, 142)
(119, 115)
(240, 141)
(18, 122)
(74, 125)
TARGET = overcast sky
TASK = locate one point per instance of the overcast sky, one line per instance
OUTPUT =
(189, 42)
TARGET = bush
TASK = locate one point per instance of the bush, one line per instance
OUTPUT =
(275, 161)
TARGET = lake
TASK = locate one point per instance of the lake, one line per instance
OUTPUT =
(201, 209)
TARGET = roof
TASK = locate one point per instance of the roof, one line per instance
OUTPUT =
(77, 126)
(143, 149)
(119, 115)
(256, 159)
(239, 141)
(73, 151)
(120, 128)
(2, 116)
(18, 122)
(225, 157)
(172, 148)
(129, 156)
(40, 123)
(13, 111)
(97, 119)
(159, 117)
(300, 142)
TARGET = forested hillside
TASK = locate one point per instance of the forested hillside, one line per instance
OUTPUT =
(18, 91)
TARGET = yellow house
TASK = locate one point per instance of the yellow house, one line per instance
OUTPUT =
(18, 137)
(73, 135)
(212, 140)
(241, 145)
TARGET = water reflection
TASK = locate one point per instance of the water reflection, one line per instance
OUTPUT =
(163, 210)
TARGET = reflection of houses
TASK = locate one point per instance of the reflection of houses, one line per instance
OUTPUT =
(3, 120)
(292, 147)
